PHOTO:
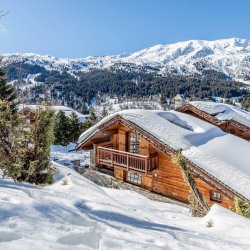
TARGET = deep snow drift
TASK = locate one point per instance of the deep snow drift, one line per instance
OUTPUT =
(81, 215)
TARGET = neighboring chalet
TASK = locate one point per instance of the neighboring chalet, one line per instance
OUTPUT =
(228, 118)
(29, 111)
(138, 145)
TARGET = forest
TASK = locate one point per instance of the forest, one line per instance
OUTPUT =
(79, 88)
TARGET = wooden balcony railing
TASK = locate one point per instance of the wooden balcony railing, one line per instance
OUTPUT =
(128, 161)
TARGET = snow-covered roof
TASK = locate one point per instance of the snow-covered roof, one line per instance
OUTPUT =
(222, 155)
(224, 112)
(68, 111)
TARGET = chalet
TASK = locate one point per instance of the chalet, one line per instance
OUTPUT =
(228, 118)
(138, 146)
(29, 111)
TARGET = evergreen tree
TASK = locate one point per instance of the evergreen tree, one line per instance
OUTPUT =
(13, 142)
(104, 112)
(25, 149)
(43, 138)
(91, 120)
(242, 207)
(7, 92)
(75, 127)
(62, 129)
(92, 117)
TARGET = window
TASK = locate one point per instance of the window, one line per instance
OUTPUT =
(215, 196)
(134, 178)
(134, 145)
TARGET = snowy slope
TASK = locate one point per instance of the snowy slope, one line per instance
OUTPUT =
(224, 112)
(202, 143)
(81, 215)
(228, 56)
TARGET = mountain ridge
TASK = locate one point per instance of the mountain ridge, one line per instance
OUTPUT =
(228, 56)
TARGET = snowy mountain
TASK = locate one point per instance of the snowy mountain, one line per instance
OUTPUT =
(228, 56)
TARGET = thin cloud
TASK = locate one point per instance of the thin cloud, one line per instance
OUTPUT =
(4, 30)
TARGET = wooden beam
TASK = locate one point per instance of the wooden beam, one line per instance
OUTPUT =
(100, 140)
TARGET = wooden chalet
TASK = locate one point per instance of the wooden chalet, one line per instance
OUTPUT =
(230, 125)
(132, 144)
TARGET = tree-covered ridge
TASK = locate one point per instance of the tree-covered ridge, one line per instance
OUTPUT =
(79, 88)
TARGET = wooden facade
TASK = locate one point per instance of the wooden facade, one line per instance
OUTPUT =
(228, 126)
(151, 167)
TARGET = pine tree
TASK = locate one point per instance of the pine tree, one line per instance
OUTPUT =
(62, 129)
(104, 112)
(43, 137)
(92, 117)
(13, 142)
(7, 92)
(91, 120)
(24, 149)
(75, 127)
(242, 207)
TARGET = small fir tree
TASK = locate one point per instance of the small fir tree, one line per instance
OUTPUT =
(25, 149)
(242, 207)
(43, 138)
(91, 120)
(62, 129)
(92, 117)
(7, 91)
(13, 142)
(75, 127)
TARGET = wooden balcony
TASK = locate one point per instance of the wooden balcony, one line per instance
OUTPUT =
(128, 161)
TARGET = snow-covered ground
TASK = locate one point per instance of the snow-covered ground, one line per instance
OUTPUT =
(111, 107)
(74, 213)
(66, 154)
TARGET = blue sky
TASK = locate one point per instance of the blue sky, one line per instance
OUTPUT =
(77, 28)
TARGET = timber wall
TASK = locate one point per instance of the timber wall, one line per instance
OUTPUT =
(167, 179)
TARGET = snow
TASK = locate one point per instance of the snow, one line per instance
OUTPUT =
(222, 155)
(228, 56)
(68, 111)
(82, 215)
(66, 154)
(224, 112)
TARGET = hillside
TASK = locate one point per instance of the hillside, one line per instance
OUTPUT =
(81, 215)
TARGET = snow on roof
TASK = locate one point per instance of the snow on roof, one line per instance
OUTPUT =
(68, 111)
(224, 112)
(222, 155)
